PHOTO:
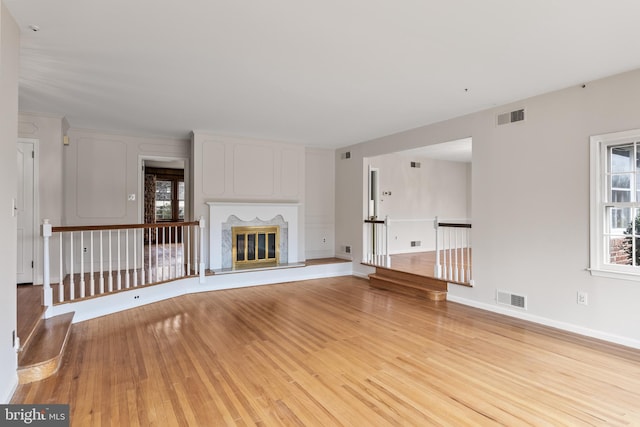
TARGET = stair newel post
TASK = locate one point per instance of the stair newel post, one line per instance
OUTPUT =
(386, 242)
(48, 293)
(437, 268)
(201, 225)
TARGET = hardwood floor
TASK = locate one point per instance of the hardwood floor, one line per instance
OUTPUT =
(334, 352)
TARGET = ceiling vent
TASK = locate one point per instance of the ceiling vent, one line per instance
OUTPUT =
(512, 300)
(510, 117)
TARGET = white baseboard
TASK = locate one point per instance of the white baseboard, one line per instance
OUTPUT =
(113, 303)
(569, 327)
(8, 390)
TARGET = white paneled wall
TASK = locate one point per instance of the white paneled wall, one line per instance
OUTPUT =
(320, 205)
(249, 170)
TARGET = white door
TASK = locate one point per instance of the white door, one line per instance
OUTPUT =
(25, 211)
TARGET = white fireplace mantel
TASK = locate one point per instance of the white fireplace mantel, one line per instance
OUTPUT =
(219, 212)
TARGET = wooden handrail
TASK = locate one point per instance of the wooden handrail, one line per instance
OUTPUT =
(453, 224)
(62, 229)
(374, 221)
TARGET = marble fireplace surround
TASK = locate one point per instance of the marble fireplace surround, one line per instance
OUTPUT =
(224, 215)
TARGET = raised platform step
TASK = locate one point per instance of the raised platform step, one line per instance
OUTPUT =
(409, 284)
(42, 356)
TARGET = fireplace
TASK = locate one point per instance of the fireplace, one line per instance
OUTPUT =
(254, 221)
(255, 246)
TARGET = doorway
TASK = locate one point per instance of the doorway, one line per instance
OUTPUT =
(165, 195)
(25, 210)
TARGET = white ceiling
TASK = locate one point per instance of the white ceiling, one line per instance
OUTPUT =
(322, 73)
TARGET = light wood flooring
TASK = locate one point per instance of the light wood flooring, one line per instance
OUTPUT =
(333, 352)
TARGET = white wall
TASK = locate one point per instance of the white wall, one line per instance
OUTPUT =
(48, 131)
(101, 170)
(227, 169)
(320, 205)
(530, 204)
(9, 63)
(417, 195)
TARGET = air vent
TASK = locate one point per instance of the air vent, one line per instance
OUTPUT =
(510, 117)
(512, 300)
(415, 164)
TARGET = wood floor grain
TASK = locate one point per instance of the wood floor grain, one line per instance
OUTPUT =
(333, 352)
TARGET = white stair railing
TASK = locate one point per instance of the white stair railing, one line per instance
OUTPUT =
(453, 251)
(377, 244)
(129, 256)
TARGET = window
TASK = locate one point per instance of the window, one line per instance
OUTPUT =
(615, 205)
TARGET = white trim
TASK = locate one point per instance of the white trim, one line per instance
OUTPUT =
(569, 327)
(37, 248)
(10, 390)
(597, 186)
(187, 182)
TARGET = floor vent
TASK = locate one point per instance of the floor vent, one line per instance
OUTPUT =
(510, 117)
(513, 300)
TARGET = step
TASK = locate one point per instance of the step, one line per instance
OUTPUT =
(30, 312)
(406, 287)
(42, 356)
(429, 282)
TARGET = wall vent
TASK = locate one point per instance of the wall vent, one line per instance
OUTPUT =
(512, 300)
(415, 243)
(510, 117)
(415, 164)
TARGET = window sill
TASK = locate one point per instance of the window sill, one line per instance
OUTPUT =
(613, 274)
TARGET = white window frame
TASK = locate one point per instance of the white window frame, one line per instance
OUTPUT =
(599, 145)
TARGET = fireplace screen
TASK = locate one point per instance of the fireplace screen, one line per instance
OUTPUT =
(255, 246)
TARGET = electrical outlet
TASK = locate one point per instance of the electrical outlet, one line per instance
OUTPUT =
(324, 240)
(84, 250)
(583, 298)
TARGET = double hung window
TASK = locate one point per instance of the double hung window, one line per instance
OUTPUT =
(615, 204)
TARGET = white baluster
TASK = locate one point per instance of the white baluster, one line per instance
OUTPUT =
(135, 257)
(119, 278)
(188, 264)
(92, 281)
(110, 264)
(156, 269)
(150, 261)
(72, 285)
(61, 269)
(101, 265)
(126, 259)
(82, 283)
